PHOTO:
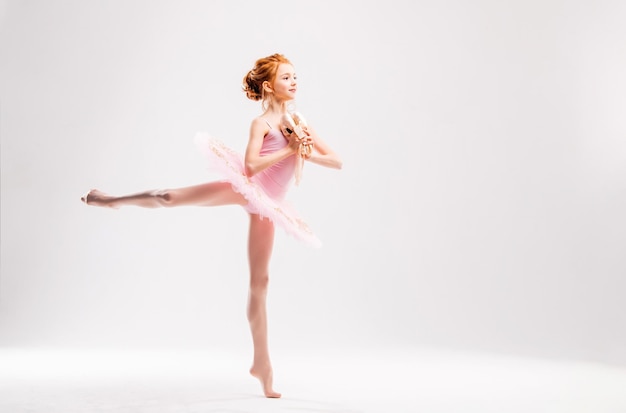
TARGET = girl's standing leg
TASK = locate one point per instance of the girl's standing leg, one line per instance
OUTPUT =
(209, 194)
(260, 243)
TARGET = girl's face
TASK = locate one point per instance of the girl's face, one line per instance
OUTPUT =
(285, 85)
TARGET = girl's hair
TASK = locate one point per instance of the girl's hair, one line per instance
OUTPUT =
(264, 71)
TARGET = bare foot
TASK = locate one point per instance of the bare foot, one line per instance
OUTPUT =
(98, 198)
(265, 376)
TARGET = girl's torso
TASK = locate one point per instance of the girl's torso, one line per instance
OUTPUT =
(275, 179)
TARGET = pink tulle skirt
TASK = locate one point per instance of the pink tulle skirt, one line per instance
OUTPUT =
(230, 165)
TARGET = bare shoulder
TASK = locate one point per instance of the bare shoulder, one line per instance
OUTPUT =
(258, 128)
(259, 123)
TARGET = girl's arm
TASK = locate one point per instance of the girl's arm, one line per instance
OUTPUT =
(254, 161)
(322, 153)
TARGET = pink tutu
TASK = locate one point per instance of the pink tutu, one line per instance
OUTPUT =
(265, 190)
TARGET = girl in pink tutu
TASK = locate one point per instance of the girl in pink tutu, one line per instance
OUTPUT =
(258, 182)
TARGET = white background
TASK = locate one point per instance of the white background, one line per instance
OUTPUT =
(481, 204)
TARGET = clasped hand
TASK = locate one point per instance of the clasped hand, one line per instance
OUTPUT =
(301, 145)
(296, 131)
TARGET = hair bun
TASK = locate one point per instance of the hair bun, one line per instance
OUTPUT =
(251, 87)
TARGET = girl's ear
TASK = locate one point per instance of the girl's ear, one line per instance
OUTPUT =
(267, 87)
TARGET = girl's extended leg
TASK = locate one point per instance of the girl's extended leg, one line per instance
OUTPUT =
(209, 194)
(260, 243)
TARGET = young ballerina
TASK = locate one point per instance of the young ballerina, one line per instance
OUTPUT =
(258, 182)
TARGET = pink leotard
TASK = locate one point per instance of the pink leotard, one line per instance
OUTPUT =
(276, 179)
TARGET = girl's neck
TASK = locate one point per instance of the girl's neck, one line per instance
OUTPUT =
(276, 109)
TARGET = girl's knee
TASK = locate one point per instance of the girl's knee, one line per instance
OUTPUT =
(164, 197)
(259, 283)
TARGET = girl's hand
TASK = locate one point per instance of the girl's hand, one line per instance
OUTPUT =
(306, 147)
(296, 143)
(294, 128)
(293, 139)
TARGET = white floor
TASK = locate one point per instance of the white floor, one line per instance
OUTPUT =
(55, 381)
